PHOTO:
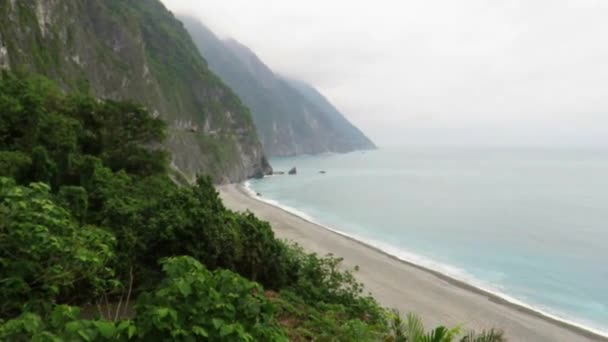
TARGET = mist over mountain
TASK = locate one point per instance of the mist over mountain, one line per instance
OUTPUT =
(291, 116)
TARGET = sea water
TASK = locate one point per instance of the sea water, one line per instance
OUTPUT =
(528, 224)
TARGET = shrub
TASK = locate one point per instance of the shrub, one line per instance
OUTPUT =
(193, 303)
(64, 324)
(43, 252)
(324, 281)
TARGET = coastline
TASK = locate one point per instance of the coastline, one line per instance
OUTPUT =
(526, 323)
(468, 285)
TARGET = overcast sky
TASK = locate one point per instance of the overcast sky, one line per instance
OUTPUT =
(440, 72)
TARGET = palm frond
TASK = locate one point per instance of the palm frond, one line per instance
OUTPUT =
(491, 335)
(414, 326)
(440, 334)
(398, 327)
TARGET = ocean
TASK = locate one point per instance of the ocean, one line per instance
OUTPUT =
(530, 225)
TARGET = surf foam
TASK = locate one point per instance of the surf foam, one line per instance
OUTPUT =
(449, 271)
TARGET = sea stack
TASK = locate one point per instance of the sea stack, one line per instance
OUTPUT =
(293, 171)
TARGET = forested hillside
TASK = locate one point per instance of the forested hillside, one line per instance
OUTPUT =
(91, 220)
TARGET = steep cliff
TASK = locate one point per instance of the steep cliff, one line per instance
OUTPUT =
(136, 49)
(291, 117)
(346, 135)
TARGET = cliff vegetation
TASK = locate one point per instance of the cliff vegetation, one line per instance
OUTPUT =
(137, 50)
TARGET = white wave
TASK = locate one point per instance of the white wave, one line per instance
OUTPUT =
(252, 193)
(427, 263)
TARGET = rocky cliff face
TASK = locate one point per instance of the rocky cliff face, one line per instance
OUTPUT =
(136, 49)
(291, 117)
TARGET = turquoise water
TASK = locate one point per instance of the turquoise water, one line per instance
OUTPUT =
(530, 224)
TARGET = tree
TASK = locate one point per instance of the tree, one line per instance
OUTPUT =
(43, 168)
(75, 199)
(15, 165)
(23, 101)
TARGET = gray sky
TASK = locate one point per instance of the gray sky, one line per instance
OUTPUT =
(440, 72)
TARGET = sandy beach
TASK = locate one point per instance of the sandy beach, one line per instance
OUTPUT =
(410, 288)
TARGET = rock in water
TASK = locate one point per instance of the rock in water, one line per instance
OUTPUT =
(293, 171)
(322, 172)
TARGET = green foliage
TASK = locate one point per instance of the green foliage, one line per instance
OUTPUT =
(306, 321)
(491, 335)
(44, 253)
(75, 199)
(263, 258)
(220, 151)
(323, 280)
(193, 303)
(15, 165)
(190, 221)
(23, 102)
(75, 164)
(117, 133)
(412, 330)
(64, 324)
(57, 131)
(193, 221)
(43, 168)
(323, 301)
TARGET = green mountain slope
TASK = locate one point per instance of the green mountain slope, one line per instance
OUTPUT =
(290, 119)
(136, 49)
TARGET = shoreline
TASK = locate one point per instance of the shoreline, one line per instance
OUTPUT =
(300, 230)
(501, 299)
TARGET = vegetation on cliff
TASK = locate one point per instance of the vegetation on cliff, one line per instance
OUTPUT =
(137, 50)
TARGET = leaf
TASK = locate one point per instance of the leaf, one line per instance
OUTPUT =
(439, 334)
(72, 327)
(226, 330)
(162, 312)
(184, 288)
(200, 331)
(415, 328)
(131, 331)
(106, 329)
(124, 325)
(217, 323)
(84, 335)
(31, 323)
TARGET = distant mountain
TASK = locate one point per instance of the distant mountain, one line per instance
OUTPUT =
(137, 50)
(291, 116)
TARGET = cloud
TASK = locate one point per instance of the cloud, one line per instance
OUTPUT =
(449, 72)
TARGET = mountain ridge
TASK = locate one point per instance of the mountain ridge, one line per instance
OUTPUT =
(289, 121)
